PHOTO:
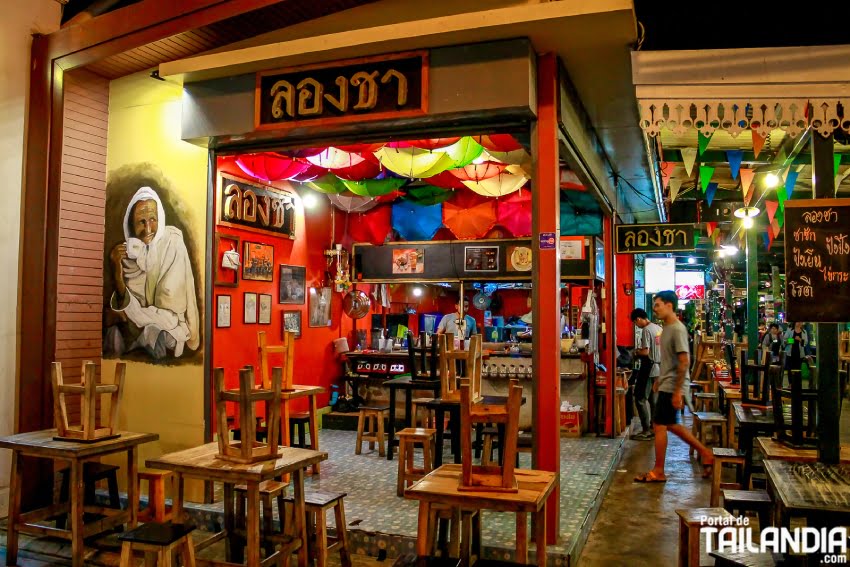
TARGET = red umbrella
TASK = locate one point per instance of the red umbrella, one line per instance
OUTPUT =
(427, 144)
(373, 226)
(446, 180)
(479, 171)
(499, 142)
(311, 173)
(389, 197)
(468, 215)
(270, 166)
(366, 169)
(514, 213)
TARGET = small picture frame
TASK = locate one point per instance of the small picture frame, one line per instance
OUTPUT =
(264, 316)
(250, 311)
(258, 262)
(320, 307)
(291, 321)
(225, 277)
(222, 318)
(292, 284)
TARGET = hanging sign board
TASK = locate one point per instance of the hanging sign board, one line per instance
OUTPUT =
(250, 206)
(817, 260)
(372, 88)
(643, 238)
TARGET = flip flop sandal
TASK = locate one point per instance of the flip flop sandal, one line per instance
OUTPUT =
(649, 477)
(707, 469)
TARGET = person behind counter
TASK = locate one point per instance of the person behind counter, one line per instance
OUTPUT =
(454, 323)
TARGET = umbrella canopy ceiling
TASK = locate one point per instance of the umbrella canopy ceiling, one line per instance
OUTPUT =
(580, 214)
(469, 215)
(416, 222)
(514, 213)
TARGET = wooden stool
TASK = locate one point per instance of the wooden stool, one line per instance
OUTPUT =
(93, 472)
(317, 504)
(705, 401)
(458, 534)
(489, 435)
(374, 415)
(746, 559)
(158, 542)
(619, 410)
(156, 511)
(407, 440)
(723, 456)
(415, 405)
(689, 525)
(705, 419)
(412, 560)
(757, 501)
(299, 420)
(269, 489)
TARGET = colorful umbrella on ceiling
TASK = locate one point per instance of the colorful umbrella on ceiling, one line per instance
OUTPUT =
(329, 184)
(469, 216)
(580, 214)
(416, 222)
(312, 172)
(499, 186)
(428, 194)
(499, 142)
(446, 180)
(427, 144)
(305, 152)
(464, 151)
(373, 187)
(366, 169)
(361, 148)
(335, 158)
(352, 203)
(389, 197)
(478, 171)
(270, 166)
(413, 162)
(514, 213)
(372, 227)
(516, 157)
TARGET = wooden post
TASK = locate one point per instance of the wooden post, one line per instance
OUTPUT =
(752, 293)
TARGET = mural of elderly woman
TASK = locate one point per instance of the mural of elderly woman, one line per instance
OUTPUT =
(154, 286)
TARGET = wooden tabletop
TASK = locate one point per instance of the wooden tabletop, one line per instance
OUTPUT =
(404, 381)
(203, 462)
(811, 486)
(753, 416)
(301, 391)
(43, 444)
(441, 485)
(773, 449)
(377, 354)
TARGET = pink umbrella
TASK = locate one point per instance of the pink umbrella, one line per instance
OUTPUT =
(468, 215)
(312, 173)
(514, 213)
(270, 166)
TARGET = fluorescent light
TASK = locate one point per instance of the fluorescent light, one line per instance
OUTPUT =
(692, 260)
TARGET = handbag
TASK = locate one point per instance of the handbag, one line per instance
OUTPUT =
(230, 260)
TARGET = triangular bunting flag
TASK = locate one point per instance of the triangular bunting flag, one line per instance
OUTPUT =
(758, 143)
(734, 157)
(710, 226)
(703, 142)
(836, 160)
(774, 226)
(689, 156)
(746, 183)
(705, 174)
(769, 238)
(666, 172)
(675, 185)
(782, 196)
(709, 192)
(780, 217)
(790, 181)
(771, 207)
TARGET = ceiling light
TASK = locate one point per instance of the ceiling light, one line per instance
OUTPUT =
(721, 253)
(417, 292)
(729, 249)
(692, 260)
(745, 212)
(309, 200)
(747, 222)
(771, 180)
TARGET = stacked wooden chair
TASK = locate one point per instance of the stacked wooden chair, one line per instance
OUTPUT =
(287, 349)
(459, 366)
(89, 391)
(248, 450)
(423, 364)
(794, 407)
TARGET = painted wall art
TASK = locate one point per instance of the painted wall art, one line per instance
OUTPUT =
(293, 284)
(320, 307)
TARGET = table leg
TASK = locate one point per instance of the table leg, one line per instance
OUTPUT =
(391, 425)
(299, 512)
(314, 428)
(17, 476)
(133, 486)
(440, 416)
(77, 502)
(284, 428)
(522, 538)
(540, 535)
(232, 549)
(455, 421)
(408, 408)
(422, 535)
(253, 524)
(745, 441)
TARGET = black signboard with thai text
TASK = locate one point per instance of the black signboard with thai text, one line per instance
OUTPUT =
(372, 88)
(817, 260)
(643, 238)
(251, 206)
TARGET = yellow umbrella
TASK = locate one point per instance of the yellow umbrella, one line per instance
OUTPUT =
(498, 186)
(516, 157)
(414, 162)
(464, 151)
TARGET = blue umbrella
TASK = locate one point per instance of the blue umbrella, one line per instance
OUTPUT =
(580, 214)
(417, 222)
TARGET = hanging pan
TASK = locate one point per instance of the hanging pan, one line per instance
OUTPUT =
(356, 304)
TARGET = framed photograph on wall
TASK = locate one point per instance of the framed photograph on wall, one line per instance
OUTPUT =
(222, 311)
(258, 262)
(227, 260)
(293, 284)
(250, 316)
(291, 321)
(320, 307)
(265, 313)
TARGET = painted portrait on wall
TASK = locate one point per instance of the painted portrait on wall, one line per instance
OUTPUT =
(151, 302)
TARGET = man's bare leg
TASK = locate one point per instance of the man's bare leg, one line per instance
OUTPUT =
(685, 435)
(660, 449)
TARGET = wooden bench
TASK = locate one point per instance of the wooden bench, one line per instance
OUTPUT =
(722, 456)
(757, 501)
(370, 427)
(407, 440)
(158, 542)
(690, 522)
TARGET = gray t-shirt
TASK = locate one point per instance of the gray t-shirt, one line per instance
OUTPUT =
(449, 324)
(650, 337)
(674, 340)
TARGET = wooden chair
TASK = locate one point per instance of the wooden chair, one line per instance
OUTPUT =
(757, 375)
(690, 522)
(370, 427)
(408, 438)
(422, 358)
(89, 391)
(490, 477)
(93, 472)
(723, 456)
(248, 450)
(317, 504)
(791, 427)
(156, 510)
(158, 542)
(459, 365)
(287, 349)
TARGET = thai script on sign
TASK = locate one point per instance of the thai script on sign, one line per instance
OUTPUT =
(255, 207)
(803, 289)
(805, 235)
(837, 244)
(806, 258)
(820, 216)
(834, 276)
(662, 237)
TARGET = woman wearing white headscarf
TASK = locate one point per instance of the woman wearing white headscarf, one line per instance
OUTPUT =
(154, 285)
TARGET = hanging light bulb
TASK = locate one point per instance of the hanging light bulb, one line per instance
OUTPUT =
(747, 214)
(747, 222)
(771, 180)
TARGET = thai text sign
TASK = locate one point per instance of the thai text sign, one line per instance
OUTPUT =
(817, 260)
(374, 88)
(259, 208)
(641, 238)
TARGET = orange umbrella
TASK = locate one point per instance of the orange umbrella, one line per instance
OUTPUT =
(468, 215)
(478, 171)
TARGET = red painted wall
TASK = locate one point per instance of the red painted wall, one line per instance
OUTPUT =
(625, 303)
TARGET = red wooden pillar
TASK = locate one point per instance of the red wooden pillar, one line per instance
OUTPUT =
(546, 280)
(607, 346)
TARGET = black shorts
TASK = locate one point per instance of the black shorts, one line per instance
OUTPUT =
(665, 413)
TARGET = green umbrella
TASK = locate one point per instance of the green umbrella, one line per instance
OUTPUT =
(329, 184)
(373, 187)
(464, 151)
(428, 195)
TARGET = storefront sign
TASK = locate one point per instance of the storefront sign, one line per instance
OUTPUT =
(641, 238)
(817, 260)
(547, 241)
(374, 88)
(258, 208)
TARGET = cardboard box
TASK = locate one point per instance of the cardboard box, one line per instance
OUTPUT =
(572, 423)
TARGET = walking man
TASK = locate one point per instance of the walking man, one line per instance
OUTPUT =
(670, 386)
(648, 351)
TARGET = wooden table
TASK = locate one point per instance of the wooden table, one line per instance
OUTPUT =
(441, 486)
(408, 385)
(41, 444)
(817, 491)
(202, 463)
(728, 393)
(300, 391)
(751, 422)
(773, 449)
